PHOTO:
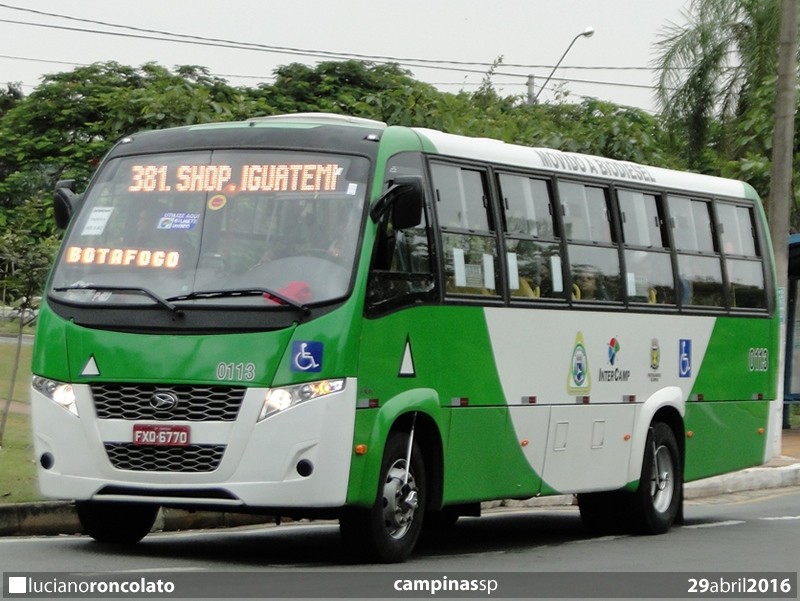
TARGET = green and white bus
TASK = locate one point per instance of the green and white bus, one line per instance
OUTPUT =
(322, 316)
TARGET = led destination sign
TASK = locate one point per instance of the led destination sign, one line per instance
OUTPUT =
(279, 177)
(90, 255)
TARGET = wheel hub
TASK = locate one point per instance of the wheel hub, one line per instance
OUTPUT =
(400, 500)
(662, 484)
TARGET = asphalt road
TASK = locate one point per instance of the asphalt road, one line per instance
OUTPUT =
(752, 533)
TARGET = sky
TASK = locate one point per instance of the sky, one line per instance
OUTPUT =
(449, 43)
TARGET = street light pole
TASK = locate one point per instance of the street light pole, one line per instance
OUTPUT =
(586, 33)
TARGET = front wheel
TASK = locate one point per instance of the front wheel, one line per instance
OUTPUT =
(388, 531)
(658, 501)
(120, 523)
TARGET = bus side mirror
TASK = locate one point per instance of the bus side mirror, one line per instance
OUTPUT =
(404, 199)
(65, 201)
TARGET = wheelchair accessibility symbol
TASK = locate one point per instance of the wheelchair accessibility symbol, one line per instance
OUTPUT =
(685, 358)
(306, 355)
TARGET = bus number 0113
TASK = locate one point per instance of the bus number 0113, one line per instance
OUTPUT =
(236, 371)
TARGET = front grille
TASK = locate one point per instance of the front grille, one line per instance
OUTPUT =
(194, 403)
(192, 458)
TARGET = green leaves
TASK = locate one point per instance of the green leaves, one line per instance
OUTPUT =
(65, 126)
(716, 87)
(27, 248)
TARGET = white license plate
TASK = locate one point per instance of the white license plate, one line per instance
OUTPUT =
(156, 435)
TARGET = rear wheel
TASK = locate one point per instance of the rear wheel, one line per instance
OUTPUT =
(655, 506)
(658, 501)
(122, 523)
(388, 531)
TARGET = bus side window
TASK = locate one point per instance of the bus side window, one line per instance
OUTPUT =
(532, 246)
(699, 267)
(744, 267)
(648, 266)
(401, 272)
(469, 244)
(593, 254)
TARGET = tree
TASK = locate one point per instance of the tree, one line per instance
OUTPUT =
(10, 97)
(72, 119)
(600, 128)
(781, 180)
(717, 89)
(712, 71)
(64, 128)
(382, 92)
(27, 255)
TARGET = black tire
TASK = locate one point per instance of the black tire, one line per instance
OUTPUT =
(388, 531)
(117, 523)
(657, 502)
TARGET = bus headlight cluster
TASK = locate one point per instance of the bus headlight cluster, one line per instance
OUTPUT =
(58, 392)
(278, 399)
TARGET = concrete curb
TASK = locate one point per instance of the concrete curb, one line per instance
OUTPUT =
(754, 478)
(45, 518)
(50, 518)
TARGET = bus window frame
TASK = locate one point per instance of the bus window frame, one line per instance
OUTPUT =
(614, 244)
(500, 296)
(557, 239)
(503, 297)
(374, 308)
(677, 253)
(664, 248)
(758, 256)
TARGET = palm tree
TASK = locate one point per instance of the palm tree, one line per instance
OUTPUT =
(714, 68)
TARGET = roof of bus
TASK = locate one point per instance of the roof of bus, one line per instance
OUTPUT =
(498, 152)
(309, 131)
(323, 131)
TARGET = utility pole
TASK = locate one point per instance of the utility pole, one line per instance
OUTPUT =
(780, 193)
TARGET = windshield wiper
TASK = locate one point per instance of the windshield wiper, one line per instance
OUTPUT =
(237, 292)
(102, 288)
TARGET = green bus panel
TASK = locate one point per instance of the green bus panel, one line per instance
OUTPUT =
(734, 368)
(724, 436)
(485, 460)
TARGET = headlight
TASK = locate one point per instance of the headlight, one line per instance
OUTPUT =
(58, 392)
(278, 399)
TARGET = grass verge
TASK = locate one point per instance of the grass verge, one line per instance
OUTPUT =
(11, 328)
(17, 468)
(8, 349)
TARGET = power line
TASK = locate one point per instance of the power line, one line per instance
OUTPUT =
(263, 78)
(237, 46)
(413, 62)
(460, 66)
(41, 60)
(293, 50)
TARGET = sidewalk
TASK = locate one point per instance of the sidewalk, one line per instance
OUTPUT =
(790, 447)
(58, 517)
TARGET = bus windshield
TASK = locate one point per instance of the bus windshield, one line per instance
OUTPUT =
(175, 225)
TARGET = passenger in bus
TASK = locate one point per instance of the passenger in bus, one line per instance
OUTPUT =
(588, 284)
